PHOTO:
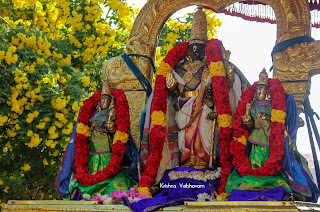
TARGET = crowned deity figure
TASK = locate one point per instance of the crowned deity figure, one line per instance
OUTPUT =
(264, 150)
(94, 161)
(192, 126)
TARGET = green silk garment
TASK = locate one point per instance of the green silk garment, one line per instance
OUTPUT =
(260, 152)
(100, 148)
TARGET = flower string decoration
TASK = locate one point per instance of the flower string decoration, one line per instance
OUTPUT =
(119, 141)
(196, 175)
(222, 104)
(276, 138)
(159, 108)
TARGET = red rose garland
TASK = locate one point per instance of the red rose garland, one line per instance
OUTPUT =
(158, 111)
(119, 142)
(159, 108)
(222, 104)
(276, 138)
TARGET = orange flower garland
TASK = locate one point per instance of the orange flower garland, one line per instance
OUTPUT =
(119, 141)
(159, 108)
(276, 138)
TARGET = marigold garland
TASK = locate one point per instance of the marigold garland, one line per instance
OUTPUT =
(119, 142)
(159, 108)
(276, 138)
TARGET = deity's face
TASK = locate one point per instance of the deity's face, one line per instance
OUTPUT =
(104, 101)
(196, 51)
(261, 93)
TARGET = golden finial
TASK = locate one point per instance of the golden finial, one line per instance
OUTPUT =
(263, 78)
(199, 31)
(106, 88)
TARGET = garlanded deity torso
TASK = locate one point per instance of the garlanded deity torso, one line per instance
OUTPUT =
(101, 138)
(261, 114)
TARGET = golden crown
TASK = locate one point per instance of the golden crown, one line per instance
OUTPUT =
(106, 88)
(199, 30)
(263, 78)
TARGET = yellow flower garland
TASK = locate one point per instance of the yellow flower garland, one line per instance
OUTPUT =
(122, 136)
(145, 190)
(278, 116)
(225, 120)
(242, 140)
(217, 69)
(164, 68)
(83, 129)
(158, 118)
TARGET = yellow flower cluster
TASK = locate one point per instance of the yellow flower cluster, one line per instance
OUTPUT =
(31, 116)
(45, 162)
(225, 120)
(25, 167)
(217, 69)
(7, 147)
(125, 15)
(49, 18)
(97, 45)
(67, 130)
(83, 129)
(76, 21)
(3, 119)
(61, 117)
(10, 57)
(11, 133)
(158, 118)
(278, 116)
(93, 12)
(50, 143)
(67, 60)
(75, 107)
(41, 125)
(145, 190)
(164, 68)
(18, 102)
(213, 23)
(35, 140)
(85, 81)
(52, 132)
(122, 136)
(60, 103)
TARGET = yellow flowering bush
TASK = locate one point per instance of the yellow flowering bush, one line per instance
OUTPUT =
(51, 56)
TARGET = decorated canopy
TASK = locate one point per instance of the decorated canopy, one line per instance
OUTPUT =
(257, 11)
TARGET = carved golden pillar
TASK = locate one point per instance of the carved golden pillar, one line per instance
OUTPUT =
(120, 76)
(295, 66)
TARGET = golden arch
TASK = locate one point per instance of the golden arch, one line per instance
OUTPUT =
(293, 20)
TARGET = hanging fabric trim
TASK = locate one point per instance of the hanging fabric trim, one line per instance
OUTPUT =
(260, 12)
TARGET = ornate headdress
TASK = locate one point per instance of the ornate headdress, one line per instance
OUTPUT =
(106, 88)
(263, 78)
(199, 31)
